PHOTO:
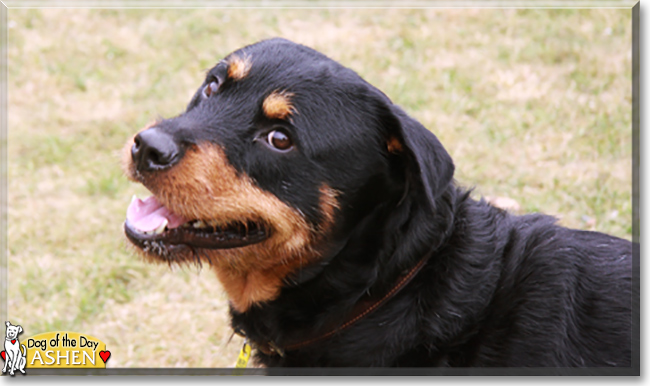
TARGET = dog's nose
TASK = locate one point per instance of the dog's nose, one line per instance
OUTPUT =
(153, 149)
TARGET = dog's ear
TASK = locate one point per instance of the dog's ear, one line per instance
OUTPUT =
(20, 329)
(8, 323)
(428, 162)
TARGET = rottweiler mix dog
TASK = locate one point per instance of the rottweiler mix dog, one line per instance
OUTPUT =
(332, 220)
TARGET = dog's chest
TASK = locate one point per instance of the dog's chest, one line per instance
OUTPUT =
(9, 345)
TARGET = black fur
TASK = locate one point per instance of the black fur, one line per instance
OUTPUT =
(499, 290)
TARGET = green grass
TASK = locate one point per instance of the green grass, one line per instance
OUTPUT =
(533, 105)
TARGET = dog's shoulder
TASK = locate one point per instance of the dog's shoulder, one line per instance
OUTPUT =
(553, 295)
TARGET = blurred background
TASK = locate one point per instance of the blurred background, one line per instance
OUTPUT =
(533, 105)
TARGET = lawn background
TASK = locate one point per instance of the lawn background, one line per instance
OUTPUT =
(533, 105)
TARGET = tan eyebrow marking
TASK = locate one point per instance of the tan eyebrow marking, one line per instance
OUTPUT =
(238, 67)
(394, 145)
(278, 105)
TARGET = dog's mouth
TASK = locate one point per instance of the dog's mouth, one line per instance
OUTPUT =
(149, 223)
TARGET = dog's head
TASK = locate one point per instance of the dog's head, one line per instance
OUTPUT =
(13, 331)
(278, 155)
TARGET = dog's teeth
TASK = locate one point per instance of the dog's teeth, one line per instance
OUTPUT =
(161, 228)
(199, 224)
(133, 198)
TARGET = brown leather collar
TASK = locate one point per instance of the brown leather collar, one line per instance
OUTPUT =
(363, 308)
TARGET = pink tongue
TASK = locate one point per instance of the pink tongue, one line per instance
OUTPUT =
(149, 214)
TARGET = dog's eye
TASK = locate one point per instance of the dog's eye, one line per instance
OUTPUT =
(279, 140)
(210, 89)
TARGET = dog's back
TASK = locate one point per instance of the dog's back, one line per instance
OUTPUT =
(561, 297)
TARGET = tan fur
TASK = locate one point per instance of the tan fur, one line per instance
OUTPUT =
(328, 205)
(204, 186)
(278, 105)
(238, 67)
(394, 145)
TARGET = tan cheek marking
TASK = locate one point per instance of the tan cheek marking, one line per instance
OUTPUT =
(278, 105)
(238, 67)
(203, 185)
(394, 145)
(328, 206)
(265, 284)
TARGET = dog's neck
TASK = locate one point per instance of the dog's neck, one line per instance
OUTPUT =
(363, 308)
(366, 246)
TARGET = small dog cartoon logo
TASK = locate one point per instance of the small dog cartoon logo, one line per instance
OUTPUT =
(14, 357)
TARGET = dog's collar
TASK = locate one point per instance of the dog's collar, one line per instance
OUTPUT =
(362, 309)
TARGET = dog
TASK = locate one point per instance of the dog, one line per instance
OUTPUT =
(16, 359)
(332, 220)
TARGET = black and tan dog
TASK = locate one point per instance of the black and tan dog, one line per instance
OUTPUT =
(331, 218)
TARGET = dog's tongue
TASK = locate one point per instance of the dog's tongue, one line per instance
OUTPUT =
(149, 214)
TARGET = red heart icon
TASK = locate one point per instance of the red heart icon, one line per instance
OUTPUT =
(4, 355)
(105, 355)
(13, 341)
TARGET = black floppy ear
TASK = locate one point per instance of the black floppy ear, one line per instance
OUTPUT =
(428, 162)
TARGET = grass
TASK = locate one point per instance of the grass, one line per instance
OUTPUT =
(533, 105)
